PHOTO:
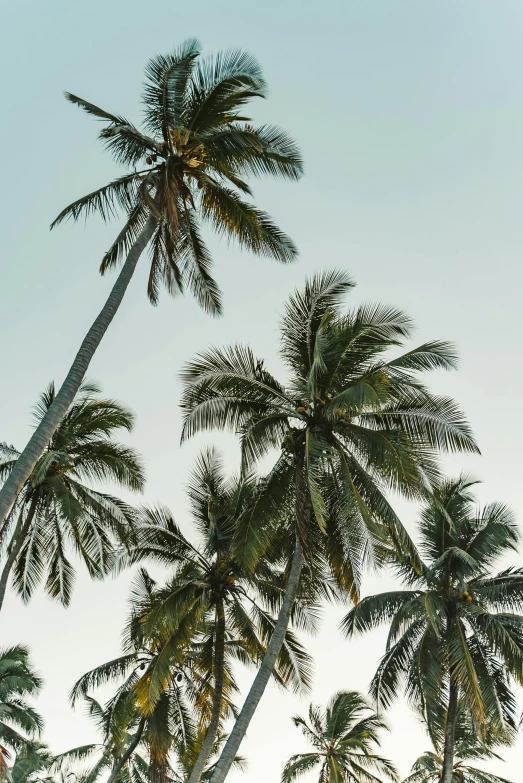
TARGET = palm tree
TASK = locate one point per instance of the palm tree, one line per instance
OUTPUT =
(57, 510)
(428, 768)
(187, 166)
(167, 726)
(168, 723)
(344, 737)
(122, 735)
(19, 722)
(455, 632)
(211, 611)
(348, 423)
(210, 585)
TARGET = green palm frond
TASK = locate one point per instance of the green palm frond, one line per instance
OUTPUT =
(305, 312)
(299, 765)
(196, 264)
(253, 229)
(106, 201)
(167, 81)
(20, 723)
(374, 610)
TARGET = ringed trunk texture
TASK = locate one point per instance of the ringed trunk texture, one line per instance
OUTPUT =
(47, 427)
(264, 672)
(119, 765)
(19, 537)
(214, 723)
(450, 734)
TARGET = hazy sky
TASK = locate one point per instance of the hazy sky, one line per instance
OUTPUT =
(410, 117)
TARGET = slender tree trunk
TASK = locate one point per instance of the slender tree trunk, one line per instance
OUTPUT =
(5, 527)
(17, 541)
(47, 427)
(121, 762)
(450, 735)
(214, 723)
(262, 678)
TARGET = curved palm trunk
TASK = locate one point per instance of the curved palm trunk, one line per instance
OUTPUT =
(262, 678)
(214, 723)
(47, 427)
(18, 540)
(119, 765)
(450, 735)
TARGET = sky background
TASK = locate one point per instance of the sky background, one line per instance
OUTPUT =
(410, 118)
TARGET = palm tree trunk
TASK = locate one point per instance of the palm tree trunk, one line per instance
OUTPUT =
(5, 527)
(214, 723)
(17, 542)
(121, 762)
(262, 678)
(48, 425)
(450, 735)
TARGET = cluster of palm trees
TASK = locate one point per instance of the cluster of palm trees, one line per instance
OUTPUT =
(350, 422)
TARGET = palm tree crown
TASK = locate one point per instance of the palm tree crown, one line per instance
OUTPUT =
(57, 509)
(344, 738)
(456, 632)
(189, 165)
(350, 418)
(209, 587)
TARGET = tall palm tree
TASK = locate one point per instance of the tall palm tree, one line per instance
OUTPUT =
(57, 510)
(209, 584)
(19, 722)
(172, 724)
(344, 738)
(456, 632)
(211, 611)
(349, 423)
(187, 166)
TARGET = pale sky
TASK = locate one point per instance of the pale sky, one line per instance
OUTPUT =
(410, 118)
